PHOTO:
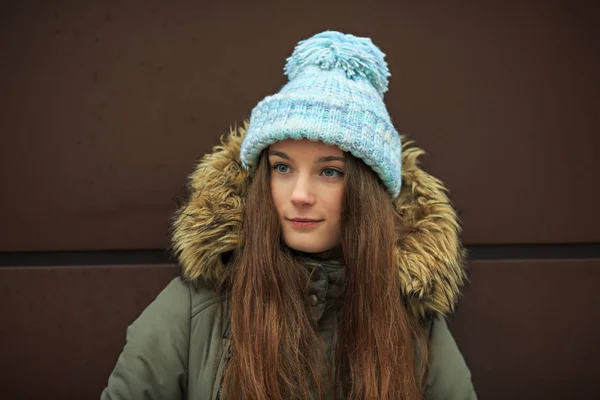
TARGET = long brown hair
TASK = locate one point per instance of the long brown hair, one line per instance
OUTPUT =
(277, 352)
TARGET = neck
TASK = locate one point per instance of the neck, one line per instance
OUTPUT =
(335, 253)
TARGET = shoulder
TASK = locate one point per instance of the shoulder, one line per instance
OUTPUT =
(170, 309)
(183, 300)
(203, 297)
(154, 360)
(170, 314)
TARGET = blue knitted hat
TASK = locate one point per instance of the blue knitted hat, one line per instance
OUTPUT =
(335, 95)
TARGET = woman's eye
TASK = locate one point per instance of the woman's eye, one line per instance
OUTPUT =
(281, 168)
(331, 173)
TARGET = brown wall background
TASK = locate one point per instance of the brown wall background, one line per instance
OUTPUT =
(107, 105)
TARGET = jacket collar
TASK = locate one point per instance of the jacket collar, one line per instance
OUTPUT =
(327, 282)
(430, 258)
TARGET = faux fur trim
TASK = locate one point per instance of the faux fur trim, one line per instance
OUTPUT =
(430, 258)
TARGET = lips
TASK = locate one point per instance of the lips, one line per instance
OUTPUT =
(304, 222)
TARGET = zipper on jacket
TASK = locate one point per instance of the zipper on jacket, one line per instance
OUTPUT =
(227, 357)
(226, 362)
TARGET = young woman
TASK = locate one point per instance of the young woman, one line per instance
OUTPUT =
(318, 260)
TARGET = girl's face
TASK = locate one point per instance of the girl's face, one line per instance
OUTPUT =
(307, 184)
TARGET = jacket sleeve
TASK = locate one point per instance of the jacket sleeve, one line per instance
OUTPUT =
(449, 377)
(153, 363)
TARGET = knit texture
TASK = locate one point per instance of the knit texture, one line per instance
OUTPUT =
(334, 95)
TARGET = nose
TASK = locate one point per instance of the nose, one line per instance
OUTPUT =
(302, 193)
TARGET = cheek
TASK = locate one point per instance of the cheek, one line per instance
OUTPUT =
(334, 205)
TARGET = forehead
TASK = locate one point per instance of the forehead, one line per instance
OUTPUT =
(305, 146)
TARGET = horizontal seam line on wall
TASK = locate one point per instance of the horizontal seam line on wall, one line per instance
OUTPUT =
(162, 256)
(557, 251)
(71, 258)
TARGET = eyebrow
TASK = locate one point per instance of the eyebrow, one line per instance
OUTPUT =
(320, 160)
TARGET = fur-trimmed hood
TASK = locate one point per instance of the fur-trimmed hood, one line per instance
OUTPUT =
(430, 258)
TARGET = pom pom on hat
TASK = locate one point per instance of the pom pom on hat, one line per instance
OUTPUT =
(354, 55)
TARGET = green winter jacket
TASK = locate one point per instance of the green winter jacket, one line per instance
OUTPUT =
(179, 346)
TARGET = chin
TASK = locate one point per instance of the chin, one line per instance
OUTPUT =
(307, 246)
